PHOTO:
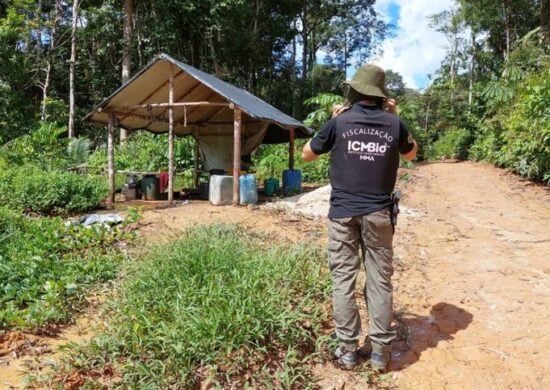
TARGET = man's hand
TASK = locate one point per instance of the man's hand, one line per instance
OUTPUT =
(391, 105)
(337, 109)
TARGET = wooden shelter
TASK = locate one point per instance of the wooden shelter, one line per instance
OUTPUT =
(168, 96)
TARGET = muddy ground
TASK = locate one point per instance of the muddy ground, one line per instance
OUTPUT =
(471, 284)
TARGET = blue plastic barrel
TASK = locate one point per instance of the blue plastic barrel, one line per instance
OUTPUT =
(248, 190)
(292, 181)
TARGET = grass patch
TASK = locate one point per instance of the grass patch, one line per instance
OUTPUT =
(219, 306)
(46, 268)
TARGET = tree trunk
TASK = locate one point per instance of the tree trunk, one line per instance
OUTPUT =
(345, 52)
(452, 70)
(48, 70)
(217, 68)
(471, 71)
(507, 29)
(45, 86)
(294, 68)
(127, 50)
(305, 42)
(72, 64)
(39, 29)
(545, 19)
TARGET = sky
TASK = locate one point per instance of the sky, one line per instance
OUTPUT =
(415, 50)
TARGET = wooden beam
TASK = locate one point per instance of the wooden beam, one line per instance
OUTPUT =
(111, 160)
(237, 124)
(197, 150)
(207, 99)
(134, 107)
(291, 149)
(148, 118)
(171, 138)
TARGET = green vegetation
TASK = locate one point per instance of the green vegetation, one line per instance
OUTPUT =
(489, 100)
(218, 305)
(517, 136)
(47, 268)
(145, 152)
(29, 188)
(453, 144)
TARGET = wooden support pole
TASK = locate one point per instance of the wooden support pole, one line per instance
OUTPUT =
(291, 149)
(171, 138)
(111, 160)
(237, 123)
(197, 151)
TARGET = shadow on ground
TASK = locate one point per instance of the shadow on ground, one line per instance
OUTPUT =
(419, 333)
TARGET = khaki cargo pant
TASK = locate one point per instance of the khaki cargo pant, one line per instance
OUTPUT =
(373, 235)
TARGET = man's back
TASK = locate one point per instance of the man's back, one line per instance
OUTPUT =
(364, 144)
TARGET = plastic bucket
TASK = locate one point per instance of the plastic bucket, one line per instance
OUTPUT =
(271, 186)
(150, 187)
(292, 181)
(248, 190)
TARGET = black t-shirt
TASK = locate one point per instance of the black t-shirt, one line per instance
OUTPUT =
(364, 144)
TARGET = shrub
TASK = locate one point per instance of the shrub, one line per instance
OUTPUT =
(453, 144)
(50, 192)
(44, 147)
(526, 149)
(488, 143)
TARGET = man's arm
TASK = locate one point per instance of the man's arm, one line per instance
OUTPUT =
(308, 155)
(412, 154)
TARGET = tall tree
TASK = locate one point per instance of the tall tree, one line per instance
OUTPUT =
(72, 66)
(128, 22)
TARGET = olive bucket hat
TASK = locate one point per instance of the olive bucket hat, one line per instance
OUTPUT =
(368, 80)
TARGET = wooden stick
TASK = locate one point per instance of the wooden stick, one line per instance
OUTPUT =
(197, 173)
(236, 153)
(163, 105)
(171, 138)
(207, 99)
(291, 150)
(111, 160)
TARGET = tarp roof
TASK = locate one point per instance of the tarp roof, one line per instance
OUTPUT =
(151, 86)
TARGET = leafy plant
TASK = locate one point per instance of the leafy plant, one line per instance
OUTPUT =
(273, 161)
(453, 144)
(324, 103)
(33, 189)
(78, 150)
(146, 152)
(47, 267)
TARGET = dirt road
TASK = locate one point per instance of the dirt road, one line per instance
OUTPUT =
(473, 280)
(472, 277)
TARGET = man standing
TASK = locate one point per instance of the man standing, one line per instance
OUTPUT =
(364, 142)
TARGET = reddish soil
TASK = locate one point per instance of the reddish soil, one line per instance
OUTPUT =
(471, 283)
